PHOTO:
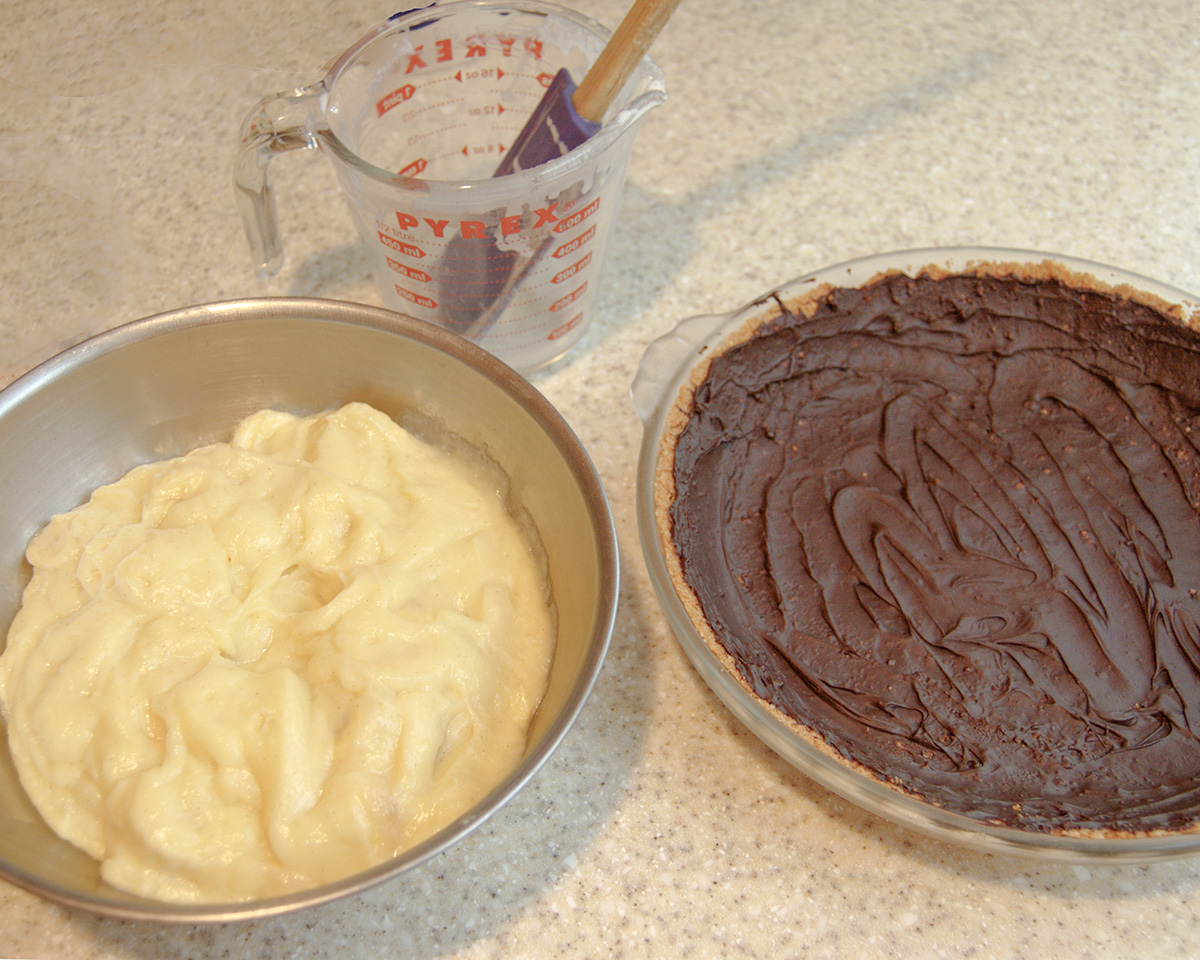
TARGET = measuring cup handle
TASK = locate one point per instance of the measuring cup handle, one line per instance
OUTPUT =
(277, 124)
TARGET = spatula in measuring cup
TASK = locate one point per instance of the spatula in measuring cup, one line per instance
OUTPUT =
(564, 119)
(568, 115)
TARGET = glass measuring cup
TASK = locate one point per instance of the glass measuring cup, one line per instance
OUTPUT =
(416, 116)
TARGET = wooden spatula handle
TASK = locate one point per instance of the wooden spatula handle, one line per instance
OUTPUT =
(617, 60)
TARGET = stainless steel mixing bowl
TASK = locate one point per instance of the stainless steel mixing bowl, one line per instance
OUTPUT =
(161, 386)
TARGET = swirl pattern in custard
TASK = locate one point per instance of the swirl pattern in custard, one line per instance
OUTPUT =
(271, 663)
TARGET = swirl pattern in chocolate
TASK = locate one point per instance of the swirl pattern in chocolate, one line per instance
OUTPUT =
(953, 525)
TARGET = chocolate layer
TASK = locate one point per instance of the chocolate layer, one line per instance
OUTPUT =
(952, 525)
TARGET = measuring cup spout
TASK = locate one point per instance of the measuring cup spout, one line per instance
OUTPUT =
(277, 124)
(630, 115)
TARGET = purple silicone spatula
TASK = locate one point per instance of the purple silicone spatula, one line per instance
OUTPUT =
(568, 115)
(485, 277)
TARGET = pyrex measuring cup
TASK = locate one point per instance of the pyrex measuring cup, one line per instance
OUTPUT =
(416, 116)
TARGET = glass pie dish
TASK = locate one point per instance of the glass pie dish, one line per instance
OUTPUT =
(669, 365)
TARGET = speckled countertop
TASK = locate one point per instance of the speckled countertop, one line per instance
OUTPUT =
(797, 134)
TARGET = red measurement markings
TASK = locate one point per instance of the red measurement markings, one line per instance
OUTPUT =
(573, 269)
(484, 73)
(577, 217)
(436, 131)
(442, 132)
(528, 91)
(411, 272)
(574, 244)
(400, 246)
(414, 169)
(396, 97)
(569, 299)
(566, 327)
(483, 148)
(419, 299)
(420, 164)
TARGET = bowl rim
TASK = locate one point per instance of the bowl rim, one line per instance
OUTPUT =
(130, 907)
(667, 368)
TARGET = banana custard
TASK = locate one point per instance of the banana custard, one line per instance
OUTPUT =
(274, 662)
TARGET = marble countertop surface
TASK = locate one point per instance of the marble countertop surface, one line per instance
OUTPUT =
(797, 135)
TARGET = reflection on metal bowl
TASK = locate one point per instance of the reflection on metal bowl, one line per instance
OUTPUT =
(161, 386)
